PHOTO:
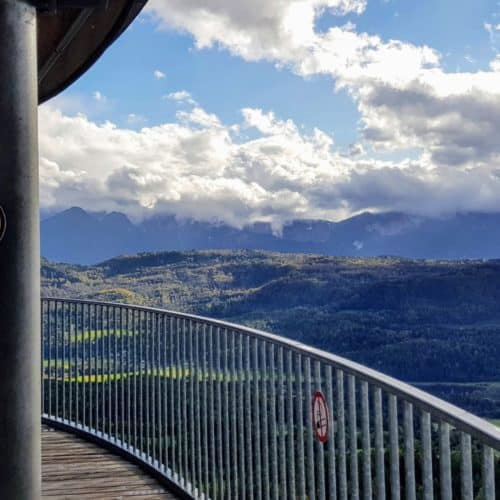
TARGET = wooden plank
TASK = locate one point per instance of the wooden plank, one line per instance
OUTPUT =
(73, 468)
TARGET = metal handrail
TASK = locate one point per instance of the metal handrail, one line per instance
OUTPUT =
(275, 381)
(474, 425)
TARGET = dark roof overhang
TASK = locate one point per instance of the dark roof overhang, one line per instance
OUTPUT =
(73, 34)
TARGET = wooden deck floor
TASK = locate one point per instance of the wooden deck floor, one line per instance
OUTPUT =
(73, 468)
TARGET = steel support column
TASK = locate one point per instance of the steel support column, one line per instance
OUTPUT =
(19, 255)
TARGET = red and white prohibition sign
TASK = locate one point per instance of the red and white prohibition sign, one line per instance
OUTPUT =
(321, 417)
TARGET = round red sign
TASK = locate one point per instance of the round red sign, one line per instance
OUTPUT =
(321, 418)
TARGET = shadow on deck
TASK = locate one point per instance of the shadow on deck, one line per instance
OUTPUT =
(73, 468)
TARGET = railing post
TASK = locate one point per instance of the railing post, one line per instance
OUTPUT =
(19, 255)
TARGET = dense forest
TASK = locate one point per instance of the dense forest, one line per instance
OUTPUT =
(432, 323)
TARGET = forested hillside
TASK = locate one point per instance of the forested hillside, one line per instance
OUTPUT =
(430, 322)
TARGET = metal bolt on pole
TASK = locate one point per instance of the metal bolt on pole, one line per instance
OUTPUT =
(19, 255)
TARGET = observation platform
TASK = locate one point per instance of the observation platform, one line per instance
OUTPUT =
(73, 468)
(218, 410)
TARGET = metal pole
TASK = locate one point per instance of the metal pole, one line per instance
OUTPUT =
(19, 255)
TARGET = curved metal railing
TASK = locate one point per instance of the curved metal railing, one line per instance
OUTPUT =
(224, 411)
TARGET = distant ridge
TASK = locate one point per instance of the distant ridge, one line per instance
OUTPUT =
(81, 237)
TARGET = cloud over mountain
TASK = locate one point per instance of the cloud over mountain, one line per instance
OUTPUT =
(200, 167)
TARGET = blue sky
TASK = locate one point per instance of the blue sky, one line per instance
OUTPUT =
(219, 81)
(348, 91)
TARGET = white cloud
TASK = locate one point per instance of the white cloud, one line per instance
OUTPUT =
(98, 96)
(405, 98)
(181, 96)
(159, 75)
(134, 119)
(197, 167)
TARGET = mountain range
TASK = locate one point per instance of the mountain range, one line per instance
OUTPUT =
(83, 237)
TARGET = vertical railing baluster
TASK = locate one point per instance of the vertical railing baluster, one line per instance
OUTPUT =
(86, 325)
(488, 473)
(128, 380)
(119, 372)
(141, 383)
(205, 411)
(273, 430)
(234, 398)
(227, 423)
(71, 367)
(353, 437)
(153, 380)
(320, 452)
(257, 436)
(394, 447)
(69, 307)
(83, 308)
(75, 363)
(113, 385)
(134, 369)
(77, 367)
(211, 416)
(81, 364)
(87, 336)
(427, 474)
(72, 338)
(240, 383)
(112, 374)
(175, 406)
(301, 466)
(64, 360)
(409, 452)
(191, 430)
(164, 394)
(311, 480)
(249, 384)
(183, 422)
(467, 481)
(160, 392)
(282, 428)
(102, 384)
(109, 394)
(198, 407)
(50, 361)
(290, 410)
(94, 372)
(57, 349)
(342, 435)
(100, 376)
(264, 416)
(367, 449)
(147, 377)
(42, 353)
(445, 461)
(76, 391)
(379, 444)
(218, 398)
(332, 465)
(104, 357)
(172, 374)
